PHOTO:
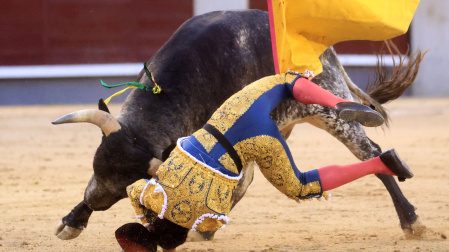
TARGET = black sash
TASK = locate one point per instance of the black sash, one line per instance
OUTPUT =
(226, 144)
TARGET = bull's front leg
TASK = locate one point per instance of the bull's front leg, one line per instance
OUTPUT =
(353, 136)
(73, 224)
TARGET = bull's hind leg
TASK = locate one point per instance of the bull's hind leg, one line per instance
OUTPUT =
(410, 222)
(353, 136)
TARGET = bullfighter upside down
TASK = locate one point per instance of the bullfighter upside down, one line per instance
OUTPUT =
(194, 187)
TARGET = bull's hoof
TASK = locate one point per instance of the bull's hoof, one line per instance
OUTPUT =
(65, 232)
(198, 237)
(416, 230)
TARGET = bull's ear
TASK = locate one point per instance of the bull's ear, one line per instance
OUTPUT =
(103, 106)
(154, 166)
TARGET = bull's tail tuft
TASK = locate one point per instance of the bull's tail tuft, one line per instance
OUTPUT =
(388, 85)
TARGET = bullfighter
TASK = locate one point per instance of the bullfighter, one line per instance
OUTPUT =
(193, 189)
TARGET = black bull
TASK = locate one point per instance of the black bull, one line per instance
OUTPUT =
(209, 58)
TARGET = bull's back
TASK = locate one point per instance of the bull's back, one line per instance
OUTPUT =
(209, 58)
(226, 49)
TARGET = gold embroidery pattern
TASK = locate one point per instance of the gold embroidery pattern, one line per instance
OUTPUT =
(134, 191)
(172, 171)
(228, 163)
(273, 161)
(239, 103)
(192, 190)
(219, 198)
(206, 139)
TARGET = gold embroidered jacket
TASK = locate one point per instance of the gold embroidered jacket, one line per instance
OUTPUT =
(194, 186)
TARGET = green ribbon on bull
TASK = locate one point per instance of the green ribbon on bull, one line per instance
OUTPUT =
(132, 84)
(156, 89)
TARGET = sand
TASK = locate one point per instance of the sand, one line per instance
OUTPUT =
(44, 170)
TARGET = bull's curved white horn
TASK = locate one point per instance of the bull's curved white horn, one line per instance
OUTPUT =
(104, 120)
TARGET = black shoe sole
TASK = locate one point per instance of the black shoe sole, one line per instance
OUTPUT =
(392, 160)
(366, 118)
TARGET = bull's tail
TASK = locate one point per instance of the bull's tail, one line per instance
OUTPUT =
(384, 89)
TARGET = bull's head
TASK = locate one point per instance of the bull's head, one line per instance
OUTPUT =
(122, 157)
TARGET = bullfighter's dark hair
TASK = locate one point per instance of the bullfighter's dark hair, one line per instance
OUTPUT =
(134, 236)
(168, 235)
(163, 233)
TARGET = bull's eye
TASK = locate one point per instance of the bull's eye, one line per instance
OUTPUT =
(140, 145)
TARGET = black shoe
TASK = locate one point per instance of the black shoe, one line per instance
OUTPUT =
(136, 238)
(392, 160)
(352, 111)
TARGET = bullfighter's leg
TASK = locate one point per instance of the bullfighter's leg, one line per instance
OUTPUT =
(308, 92)
(277, 166)
(353, 136)
(387, 163)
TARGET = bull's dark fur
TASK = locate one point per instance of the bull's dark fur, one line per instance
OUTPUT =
(168, 235)
(125, 157)
(209, 58)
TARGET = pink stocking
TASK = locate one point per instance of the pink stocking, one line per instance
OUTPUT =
(307, 92)
(334, 176)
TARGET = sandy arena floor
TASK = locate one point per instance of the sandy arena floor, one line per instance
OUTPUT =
(44, 170)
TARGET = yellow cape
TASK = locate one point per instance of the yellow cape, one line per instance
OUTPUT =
(305, 29)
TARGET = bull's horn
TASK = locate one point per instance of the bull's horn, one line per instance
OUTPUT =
(105, 121)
